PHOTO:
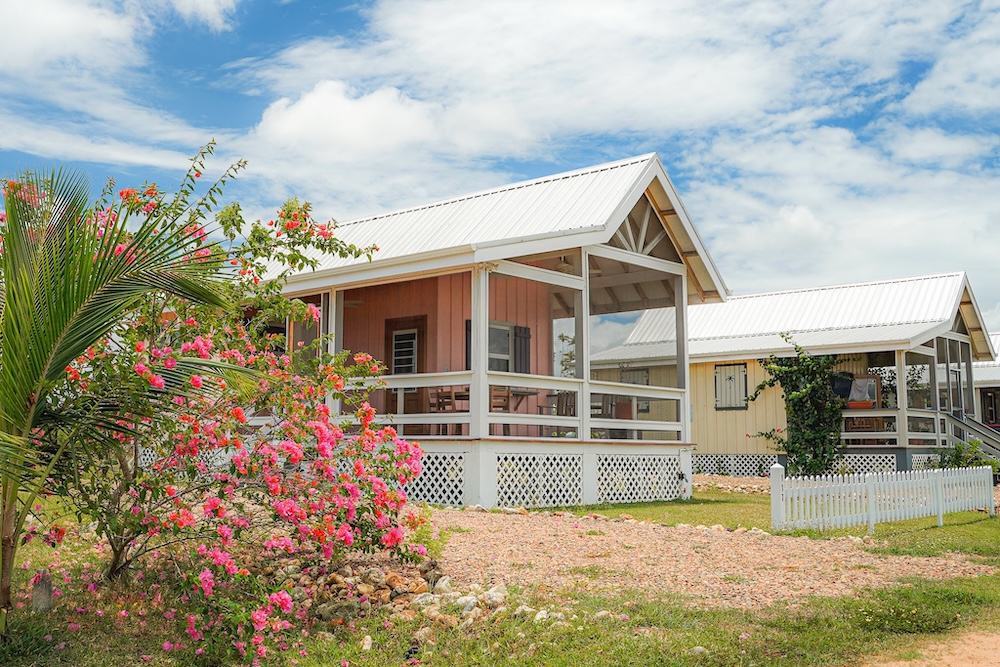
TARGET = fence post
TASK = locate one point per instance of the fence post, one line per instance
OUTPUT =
(777, 496)
(988, 472)
(870, 498)
(938, 476)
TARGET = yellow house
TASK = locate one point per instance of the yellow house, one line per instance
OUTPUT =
(926, 331)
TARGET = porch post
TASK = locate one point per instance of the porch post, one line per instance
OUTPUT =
(679, 285)
(479, 389)
(335, 325)
(581, 308)
(902, 427)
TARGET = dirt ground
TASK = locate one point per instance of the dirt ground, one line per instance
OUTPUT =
(970, 649)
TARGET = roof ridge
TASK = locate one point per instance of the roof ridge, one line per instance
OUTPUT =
(815, 329)
(616, 164)
(823, 288)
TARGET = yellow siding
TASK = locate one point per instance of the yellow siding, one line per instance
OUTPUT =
(725, 431)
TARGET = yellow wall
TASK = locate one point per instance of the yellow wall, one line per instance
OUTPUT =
(725, 431)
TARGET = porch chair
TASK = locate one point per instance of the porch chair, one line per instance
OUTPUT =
(500, 402)
(442, 399)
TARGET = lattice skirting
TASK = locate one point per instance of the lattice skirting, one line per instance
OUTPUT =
(734, 465)
(539, 480)
(637, 479)
(923, 461)
(214, 459)
(442, 481)
(862, 463)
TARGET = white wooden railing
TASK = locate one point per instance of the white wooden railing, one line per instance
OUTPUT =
(838, 501)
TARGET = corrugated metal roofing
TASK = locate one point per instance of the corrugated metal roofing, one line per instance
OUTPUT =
(880, 312)
(576, 200)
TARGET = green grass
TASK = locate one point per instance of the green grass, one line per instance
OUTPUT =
(707, 507)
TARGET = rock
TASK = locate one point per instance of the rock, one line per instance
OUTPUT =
(424, 635)
(494, 597)
(443, 585)
(335, 580)
(366, 607)
(604, 613)
(699, 650)
(510, 510)
(422, 587)
(541, 616)
(426, 567)
(403, 615)
(466, 601)
(446, 620)
(298, 594)
(374, 576)
(366, 643)
(476, 508)
(404, 599)
(382, 596)
(432, 611)
(473, 613)
(346, 571)
(740, 529)
(341, 610)
(626, 517)
(323, 636)
(364, 589)
(292, 570)
(524, 610)
(719, 527)
(393, 580)
(423, 600)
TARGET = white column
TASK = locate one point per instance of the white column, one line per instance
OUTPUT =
(335, 324)
(902, 432)
(479, 403)
(679, 285)
(581, 306)
(589, 475)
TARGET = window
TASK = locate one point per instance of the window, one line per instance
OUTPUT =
(404, 351)
(636, 376)
(501, 347)
(731, 387)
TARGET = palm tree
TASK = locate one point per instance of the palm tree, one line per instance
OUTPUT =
(69, 274)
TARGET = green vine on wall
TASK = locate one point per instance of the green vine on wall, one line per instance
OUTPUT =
(813, 410)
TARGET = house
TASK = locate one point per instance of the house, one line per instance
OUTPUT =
(480, 308)
(987, 385)
(926, 331)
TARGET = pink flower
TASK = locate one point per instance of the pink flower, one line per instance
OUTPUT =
(283, 600)
(169, 362)
(393, 537)
(196, 381)
(167, 646)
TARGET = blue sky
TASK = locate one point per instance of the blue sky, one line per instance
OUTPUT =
(813, 142)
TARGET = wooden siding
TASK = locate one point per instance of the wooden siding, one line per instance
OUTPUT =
(725, 431)
(525, 303)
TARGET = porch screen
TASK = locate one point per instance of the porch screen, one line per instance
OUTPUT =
(731, 387)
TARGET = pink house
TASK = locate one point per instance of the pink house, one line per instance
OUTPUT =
(481, 309)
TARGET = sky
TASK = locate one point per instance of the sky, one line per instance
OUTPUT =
(812, 142)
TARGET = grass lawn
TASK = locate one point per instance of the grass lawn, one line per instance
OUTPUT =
(636, 631)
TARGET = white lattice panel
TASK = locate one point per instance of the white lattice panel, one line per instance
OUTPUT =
(214, 459)
(862, 463)
(734, 465)
(637, 479)
(442, 481)
(924, 461)
(539, 480)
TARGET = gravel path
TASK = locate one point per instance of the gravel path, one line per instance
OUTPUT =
(714, 567)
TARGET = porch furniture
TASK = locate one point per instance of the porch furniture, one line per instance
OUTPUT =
(442, 399)
(500, 398)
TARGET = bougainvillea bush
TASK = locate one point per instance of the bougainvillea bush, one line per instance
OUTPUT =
(218, 446)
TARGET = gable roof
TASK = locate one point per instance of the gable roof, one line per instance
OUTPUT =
(556, 212)
(840, 319)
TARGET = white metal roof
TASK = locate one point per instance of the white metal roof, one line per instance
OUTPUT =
(883, 315)
(566, 210)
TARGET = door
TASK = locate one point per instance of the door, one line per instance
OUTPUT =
(406, 353)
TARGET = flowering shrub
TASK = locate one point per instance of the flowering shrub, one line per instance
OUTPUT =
(217, 442)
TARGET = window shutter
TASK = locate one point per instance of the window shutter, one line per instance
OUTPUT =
(468, 345)
(522, 350)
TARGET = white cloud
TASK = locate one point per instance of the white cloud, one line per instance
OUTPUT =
(213, 13)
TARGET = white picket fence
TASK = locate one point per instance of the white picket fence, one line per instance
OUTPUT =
(838, 501)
